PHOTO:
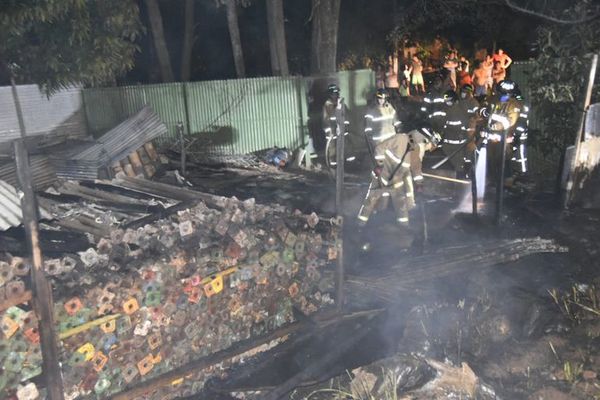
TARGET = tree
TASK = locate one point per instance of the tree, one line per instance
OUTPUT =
(277, 46)
(325, 20)
(234, 34)
(160, 44)
(559, 74)
(58, 43)
(188, 40)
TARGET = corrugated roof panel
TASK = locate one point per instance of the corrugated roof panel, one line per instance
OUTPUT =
(60, 115)
(125, 138)
(11, 214)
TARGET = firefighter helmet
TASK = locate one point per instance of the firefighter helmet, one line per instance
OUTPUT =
(381, 94)
(450, 96)
(506, 87)
(333, 89)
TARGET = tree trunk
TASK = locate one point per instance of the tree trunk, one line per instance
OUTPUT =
(277, 45)
(325, 22)
(324, 41)
(158, 34)
(188, 41)
(236, 42)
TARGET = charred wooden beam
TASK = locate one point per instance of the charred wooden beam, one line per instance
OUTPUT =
(160, 214)
(167, 378)
(319, 365)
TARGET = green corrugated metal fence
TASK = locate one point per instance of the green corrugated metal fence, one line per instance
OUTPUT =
(231, 116)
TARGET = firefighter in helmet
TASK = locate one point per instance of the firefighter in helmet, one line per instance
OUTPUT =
(391, 177)
(458, 133)
(519, 144)
(335, 124)
(503, 112)
(381, 120)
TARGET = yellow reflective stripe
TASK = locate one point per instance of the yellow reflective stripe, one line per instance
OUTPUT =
(392, 156)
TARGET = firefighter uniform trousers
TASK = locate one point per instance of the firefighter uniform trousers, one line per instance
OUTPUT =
(394, 182)
(335, 124)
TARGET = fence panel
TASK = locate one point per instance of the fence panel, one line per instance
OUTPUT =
(61, 115)
(231, 116)
(246, 115)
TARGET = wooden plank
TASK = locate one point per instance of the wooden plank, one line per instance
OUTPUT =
(149, 147)
(42, 301)
(136, 163)
(15, 300)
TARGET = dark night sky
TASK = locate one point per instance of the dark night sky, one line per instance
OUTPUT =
(364, 25)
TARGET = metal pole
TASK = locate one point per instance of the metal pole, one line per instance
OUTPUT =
(182, 143)
(586, 104)
(42, 293)
(474, 182)
(500, 183)
(339, 204)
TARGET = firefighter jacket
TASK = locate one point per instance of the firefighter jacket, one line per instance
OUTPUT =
(335, 118)
(335, 122)
(503, 117)
(392, 180)
(435, 109)
(381, 122)
(457, 131)
(470, 106)
(456, 125)
(519, 144)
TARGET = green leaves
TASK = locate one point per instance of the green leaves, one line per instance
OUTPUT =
(58, 43)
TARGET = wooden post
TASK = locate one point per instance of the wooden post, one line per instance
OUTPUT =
(500, 183)
(42, 292)
(474, 182)
(339, 207)
(578, 138)
(180, 133)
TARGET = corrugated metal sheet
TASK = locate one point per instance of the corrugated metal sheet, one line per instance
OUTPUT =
(124, 139)
(235, 116)
(60, 115)
(248, 114)
(106, 107)
(592, 122)
(42, 172)
(11, 214)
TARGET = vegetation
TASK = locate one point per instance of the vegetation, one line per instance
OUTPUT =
(559, 78)
(58, 43)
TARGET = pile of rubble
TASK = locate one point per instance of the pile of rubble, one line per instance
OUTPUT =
(140, 302)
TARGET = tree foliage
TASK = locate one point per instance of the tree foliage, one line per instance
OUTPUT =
(559, 76)
(58, 43)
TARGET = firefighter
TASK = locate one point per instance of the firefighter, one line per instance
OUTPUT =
(503, 112)
(458, 132)
(519, 156)
(390, 179)
(433, 106)
(468, 103)
(381, 120)
(335, 123)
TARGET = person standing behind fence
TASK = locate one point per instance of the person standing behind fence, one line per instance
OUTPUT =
(392, 83)
(488, 66)
(480, 81)
(417, 76)
(502, 58)
(498, 73)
